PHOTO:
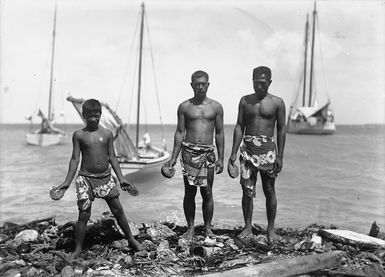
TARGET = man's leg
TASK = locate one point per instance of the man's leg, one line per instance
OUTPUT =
(271, 205)
(189, 207)
(117, 210)
(80, 233)
(247, 209)
(208, 202)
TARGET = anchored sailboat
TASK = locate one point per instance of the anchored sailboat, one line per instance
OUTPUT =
(307, 116)
(131, 157)
(47, 134)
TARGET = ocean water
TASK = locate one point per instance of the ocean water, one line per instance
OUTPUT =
(338, 179)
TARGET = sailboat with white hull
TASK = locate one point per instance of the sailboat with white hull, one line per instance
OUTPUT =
(131, 157)
(307, 116)
(47, 134)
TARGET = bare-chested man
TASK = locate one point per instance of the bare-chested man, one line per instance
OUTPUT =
(95, 146)
(258, 115)
(198, 118)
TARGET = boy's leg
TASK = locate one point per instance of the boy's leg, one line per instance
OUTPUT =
(117, 210)
(271, 205)
(189, 207)
(80, 232)
(248, 182)
(208, 202)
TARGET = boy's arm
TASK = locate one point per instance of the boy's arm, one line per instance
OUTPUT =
(112, 157)
(281, 134)
(124, 184)
(178, 136)
(219, 139)
(74, 162)
(238, 132)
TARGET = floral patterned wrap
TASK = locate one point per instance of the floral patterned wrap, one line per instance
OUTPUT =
(258, 153)
(91, 185)
(196, 159)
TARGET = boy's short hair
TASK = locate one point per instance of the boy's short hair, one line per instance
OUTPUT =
(199, 74)
(91, 105)
(261, 70)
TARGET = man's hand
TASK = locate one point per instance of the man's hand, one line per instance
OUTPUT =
(278, 165)
(218, 166)
(131, 189)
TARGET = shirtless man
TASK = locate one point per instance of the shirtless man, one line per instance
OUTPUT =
(95, 144)
(198, 118)
(258, 115)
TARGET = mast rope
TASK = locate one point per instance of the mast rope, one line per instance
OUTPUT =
(154, 76)
(127, 65)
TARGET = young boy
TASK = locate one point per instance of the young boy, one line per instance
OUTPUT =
(95, 144)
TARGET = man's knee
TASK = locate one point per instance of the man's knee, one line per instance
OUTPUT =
(206, 193)
(84, 216)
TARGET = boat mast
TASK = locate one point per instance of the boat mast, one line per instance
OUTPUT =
(312, 55)
(139, 75)
(52, 60)
(305, 60)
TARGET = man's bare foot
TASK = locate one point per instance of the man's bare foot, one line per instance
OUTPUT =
(70, 258)
(189, 234)
(209, 233)
(272, 237)
(136, 245)
(245, 232)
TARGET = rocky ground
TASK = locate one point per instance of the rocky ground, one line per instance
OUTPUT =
(39, 248)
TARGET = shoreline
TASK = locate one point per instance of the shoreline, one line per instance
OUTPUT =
(43, 245)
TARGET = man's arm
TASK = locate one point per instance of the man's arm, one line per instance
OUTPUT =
(178, 136)
(238, 132)
(74, 162)
(281, 134)
(219, 139)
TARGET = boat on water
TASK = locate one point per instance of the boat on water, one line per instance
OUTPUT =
(47, 134)
(131, 157)
(309, 113)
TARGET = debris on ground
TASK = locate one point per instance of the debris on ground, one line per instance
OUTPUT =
(40, 248)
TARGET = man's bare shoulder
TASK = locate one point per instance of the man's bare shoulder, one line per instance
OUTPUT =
(277, 100)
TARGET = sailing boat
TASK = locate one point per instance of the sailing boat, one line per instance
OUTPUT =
(310, 117)
(47, 134)
(131, 157)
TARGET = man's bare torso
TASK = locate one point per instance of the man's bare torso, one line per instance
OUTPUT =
(259, 115)
(94, 149)
(200, 120)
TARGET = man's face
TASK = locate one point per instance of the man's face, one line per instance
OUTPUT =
(261, 83)
(200, 86)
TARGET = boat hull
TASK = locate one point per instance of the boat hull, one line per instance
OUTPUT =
(43, 139)
(305, 128)
(132, 166)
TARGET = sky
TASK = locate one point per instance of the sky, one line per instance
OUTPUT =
(96, 52)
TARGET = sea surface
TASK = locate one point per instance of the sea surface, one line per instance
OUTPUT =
(337, 179)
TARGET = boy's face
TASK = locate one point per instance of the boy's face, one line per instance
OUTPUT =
(92, 117)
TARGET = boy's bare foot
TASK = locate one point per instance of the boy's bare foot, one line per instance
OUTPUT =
(131, 189)
(189, 234)
(245, 232)
(70, 258)
(136, 245)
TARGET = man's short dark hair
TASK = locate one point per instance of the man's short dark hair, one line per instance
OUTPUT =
(261, 70)
(91, 105)
(199, 74)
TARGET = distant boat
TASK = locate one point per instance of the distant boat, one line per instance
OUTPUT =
(308, 117)
(47, 134)
(131, 157)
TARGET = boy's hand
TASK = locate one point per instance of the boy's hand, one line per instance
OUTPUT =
(218, 166)
(131, 189)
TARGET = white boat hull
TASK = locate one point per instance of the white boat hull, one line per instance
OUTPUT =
(306, 128)
(44, 139)
(132, 166)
